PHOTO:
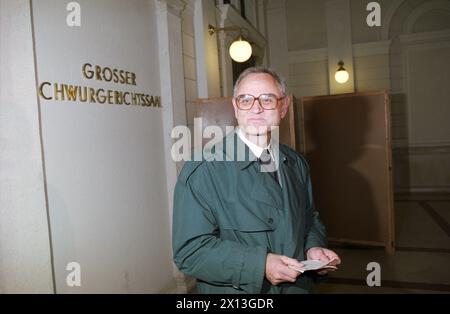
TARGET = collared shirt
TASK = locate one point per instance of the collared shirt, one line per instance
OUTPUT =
(258, 150)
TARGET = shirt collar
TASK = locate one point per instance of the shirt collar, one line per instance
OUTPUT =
(255, 149)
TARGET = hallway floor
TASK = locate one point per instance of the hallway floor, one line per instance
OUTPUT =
(420, 263)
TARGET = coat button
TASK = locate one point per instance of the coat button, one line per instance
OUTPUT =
(270, 220)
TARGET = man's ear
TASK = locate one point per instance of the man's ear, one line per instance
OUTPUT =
(285, 105)
(235, 108)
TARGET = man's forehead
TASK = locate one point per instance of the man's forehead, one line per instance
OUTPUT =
(257, 79)
(258, 76)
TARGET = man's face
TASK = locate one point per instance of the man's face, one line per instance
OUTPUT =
(257, 120)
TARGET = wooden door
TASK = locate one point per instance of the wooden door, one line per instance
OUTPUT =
(347, 144)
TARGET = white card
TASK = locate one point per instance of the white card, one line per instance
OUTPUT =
(313, 265)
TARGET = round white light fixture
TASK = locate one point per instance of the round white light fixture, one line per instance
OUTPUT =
(240, 50)
(341, 76)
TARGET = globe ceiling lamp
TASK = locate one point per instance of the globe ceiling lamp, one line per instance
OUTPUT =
(341, 76)
(240, 50)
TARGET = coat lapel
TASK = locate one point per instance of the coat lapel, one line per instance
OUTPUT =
(265, 190)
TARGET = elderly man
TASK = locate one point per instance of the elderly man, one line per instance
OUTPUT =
(244, 225)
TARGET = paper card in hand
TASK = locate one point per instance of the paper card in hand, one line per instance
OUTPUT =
(313, 265)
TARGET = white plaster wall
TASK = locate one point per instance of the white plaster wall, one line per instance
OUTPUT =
(361, 32)
(306, 24)
(420, 34)
(432, 21)
(105, 163)
(277, 36)
(428, 69)
(371, 65)
(25, 259)
(308, 78)
(339, 44)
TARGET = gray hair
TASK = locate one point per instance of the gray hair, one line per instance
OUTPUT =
(281, 82)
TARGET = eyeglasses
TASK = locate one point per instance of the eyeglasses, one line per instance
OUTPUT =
(267, 101)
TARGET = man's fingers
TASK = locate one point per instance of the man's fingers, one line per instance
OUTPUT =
(287, 274)
(319, 255)
(297, 269)
(324, 258)
(287, 260)
(290, 273)
(284, 277)
(335, 260)
(292, 262)
(328, 256)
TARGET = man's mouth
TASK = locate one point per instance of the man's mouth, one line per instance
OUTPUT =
(257, 120)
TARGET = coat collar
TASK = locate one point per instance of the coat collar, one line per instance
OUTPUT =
(244, 157)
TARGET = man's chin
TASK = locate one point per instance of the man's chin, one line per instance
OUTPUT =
(259, 130)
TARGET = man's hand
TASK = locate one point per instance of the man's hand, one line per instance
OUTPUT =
(324, 255)
(278, 271)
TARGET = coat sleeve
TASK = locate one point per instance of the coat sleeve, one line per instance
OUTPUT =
(315, 233)
(198, 249)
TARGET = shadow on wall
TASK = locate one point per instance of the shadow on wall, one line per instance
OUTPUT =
(336, 140)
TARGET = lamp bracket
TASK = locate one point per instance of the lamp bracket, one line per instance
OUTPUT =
(212, 29)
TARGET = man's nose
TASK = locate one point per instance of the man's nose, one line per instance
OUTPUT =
(257, 108)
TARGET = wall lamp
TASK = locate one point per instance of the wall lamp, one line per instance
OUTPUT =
(341, 76)
(240, 50)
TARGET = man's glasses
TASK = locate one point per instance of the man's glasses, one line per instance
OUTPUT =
(267, 101)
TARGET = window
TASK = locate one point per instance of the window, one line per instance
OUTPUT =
(238, 4)
(239, 67)
(242, 9)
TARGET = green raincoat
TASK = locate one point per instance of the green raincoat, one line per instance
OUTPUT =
(228, 215)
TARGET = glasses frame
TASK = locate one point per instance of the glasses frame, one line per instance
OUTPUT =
(257, 98)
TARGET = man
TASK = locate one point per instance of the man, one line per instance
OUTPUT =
(238, 226)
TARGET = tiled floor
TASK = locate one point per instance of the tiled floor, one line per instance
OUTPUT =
(421, 263)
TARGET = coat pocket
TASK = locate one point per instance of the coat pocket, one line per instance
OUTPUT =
(243, 219)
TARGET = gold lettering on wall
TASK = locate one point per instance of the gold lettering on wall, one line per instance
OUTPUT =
(58, 91)
(75, 93)
(41, 90)
(108, 74)
(71, 92)
(87, 72)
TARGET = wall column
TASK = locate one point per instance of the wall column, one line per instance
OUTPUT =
(277, 37)
(173, 94)
(339, 34)
(207, 56)
(25, 251)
